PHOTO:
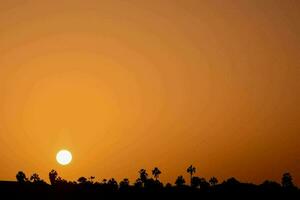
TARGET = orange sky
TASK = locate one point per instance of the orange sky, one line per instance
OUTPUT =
(126, 85)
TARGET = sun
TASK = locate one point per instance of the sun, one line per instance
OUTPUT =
(64, 157)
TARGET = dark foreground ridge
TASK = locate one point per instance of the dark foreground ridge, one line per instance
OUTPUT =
(144, 187)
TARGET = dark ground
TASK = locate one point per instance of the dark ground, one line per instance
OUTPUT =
(16, 190)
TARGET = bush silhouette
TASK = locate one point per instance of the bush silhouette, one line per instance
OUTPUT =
(21, 177)
(124, 184)
(287, 181)
(180, 181)
(82, 180)
(213, 181)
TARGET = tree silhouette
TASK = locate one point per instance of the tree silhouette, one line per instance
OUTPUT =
(124, 184)
(104, 181)
(168, 185)
(179, 181)
(113, 184)
(204, 185)
(156, 172)
(287, 180)
(82, 180)
(191, 170)
(270, 186)
(91, 179)
(21, 177)
(144, 185)
(195, 182)
(198, 182)
(232, 182)
(35, 178)
(213, 181)
(143, 176)
(53, 177)
(138, 183)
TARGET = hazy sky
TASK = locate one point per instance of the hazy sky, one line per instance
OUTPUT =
(128, 84)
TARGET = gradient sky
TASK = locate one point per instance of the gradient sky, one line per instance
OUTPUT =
(126, 85)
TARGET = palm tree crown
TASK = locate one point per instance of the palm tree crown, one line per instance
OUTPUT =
(156, 172)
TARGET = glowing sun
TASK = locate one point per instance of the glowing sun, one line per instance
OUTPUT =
(64, 157)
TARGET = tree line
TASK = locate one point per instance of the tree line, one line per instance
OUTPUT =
(144, 181)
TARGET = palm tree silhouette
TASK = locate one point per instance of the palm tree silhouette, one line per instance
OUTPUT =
(191, 170)
(156, 172)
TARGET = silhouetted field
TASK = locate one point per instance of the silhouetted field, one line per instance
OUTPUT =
(144, 187)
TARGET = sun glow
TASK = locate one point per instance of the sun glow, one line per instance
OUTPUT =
(64, 157)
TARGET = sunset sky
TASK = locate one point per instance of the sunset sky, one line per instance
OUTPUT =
(134, 84)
